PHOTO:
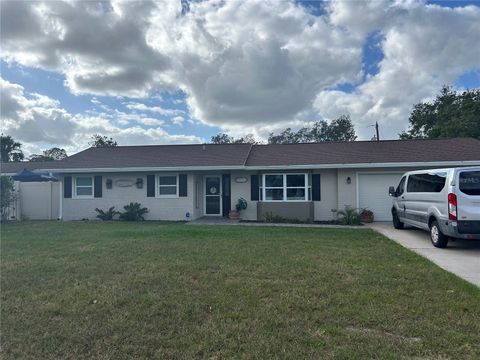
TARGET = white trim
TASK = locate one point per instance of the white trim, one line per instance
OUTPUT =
(157, 187)
(285, 187)
(60, 200)
(74, 189)
(357, 194)
(275, 167)
(220, 195)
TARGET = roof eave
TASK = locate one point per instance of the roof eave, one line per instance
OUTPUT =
(270, 167)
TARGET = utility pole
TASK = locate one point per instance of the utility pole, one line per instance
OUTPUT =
(376, 130)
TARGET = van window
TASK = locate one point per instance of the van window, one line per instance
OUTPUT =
(469, 182)
(428, 182)
(400, 187)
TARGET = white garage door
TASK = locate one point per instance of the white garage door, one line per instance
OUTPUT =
(373, 193)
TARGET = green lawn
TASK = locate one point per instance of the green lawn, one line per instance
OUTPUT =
(74, 290)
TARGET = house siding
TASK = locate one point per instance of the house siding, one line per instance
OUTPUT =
(159, 208)
(239, 190)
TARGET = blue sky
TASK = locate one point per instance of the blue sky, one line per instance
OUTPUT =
(252, 67)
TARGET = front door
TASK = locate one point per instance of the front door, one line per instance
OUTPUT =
(213, 195)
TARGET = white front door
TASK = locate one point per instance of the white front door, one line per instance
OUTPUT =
(213, 195)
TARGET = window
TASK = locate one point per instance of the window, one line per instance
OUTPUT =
(168, 186)
(83, 187)
(469, 182)
(285, 187)
(400, 187)
(432, 182)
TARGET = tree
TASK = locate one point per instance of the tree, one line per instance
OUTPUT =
(54, 153)
(340, 129)
(223, 138)
(451, 114)
(10, 150)
(7, 196)
(102, 141)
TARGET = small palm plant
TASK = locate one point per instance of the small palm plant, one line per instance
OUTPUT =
(349, 216)
(106, 215)
(133, 212)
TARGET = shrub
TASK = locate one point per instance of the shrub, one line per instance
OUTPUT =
(349, 216)
(133, 212)
(7, 196)
(241, 204)
(106, 215)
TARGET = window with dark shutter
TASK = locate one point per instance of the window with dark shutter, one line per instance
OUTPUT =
(67, 187)
(316, 189)
(254, 189)
(150, 185)
(97, 188)
(182, 185)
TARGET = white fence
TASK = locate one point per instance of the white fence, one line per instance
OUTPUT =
(36, 201)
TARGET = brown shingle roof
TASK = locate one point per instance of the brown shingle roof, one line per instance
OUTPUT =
(359, 152)
(238, 155)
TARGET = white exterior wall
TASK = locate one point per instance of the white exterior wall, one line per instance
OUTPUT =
(239, 190)
(159, 208)
(328, 195)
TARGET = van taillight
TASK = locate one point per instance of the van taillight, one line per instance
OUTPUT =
(452, 207)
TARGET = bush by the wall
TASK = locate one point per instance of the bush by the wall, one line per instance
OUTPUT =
(133, 212)
(106, 215)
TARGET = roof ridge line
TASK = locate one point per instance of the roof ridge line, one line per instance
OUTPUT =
(248, 155)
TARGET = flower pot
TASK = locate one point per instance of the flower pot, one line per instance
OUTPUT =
(234, 215)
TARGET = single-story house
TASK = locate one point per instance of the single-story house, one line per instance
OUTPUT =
(301, 181)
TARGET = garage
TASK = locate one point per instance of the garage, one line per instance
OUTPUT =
(373, 193)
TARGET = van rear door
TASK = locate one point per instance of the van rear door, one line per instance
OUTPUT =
(468, 201)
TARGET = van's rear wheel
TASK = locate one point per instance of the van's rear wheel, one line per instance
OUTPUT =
(439, 240)
(397, 224)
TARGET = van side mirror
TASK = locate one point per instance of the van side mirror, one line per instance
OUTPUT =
(391, 191)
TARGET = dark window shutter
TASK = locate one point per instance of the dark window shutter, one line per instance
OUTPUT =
(254, 187)
(151, 185)
(67, 187)
(316, 187)
(182, 185)
(97, 188)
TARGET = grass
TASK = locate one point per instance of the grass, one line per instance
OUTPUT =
(156, 290)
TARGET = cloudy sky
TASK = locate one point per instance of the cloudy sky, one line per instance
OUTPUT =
(182, 71)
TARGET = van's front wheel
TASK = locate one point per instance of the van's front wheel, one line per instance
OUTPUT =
(397, 224)
(439, 240)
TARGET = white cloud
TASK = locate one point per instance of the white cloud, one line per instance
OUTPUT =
(153, 109)
(178, 120)
(246, 66)
(39, 122)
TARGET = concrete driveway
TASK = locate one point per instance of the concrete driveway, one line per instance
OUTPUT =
(461, 257)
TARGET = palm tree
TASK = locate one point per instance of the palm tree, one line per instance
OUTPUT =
(10, 150)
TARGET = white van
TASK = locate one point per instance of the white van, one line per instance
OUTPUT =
(444, 201)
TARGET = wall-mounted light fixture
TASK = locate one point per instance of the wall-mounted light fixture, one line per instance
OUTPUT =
(109, 183)
(139, 183)
(349, 180)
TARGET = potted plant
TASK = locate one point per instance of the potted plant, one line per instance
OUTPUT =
(239, 206)
(366, 216)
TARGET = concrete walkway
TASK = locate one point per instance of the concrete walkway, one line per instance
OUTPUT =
(461, 257)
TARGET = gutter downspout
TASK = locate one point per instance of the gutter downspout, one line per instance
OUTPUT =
(60, 201)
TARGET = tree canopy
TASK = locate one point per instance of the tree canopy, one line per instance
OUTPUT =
(10, 150)
(340, 129)
(451, 114)
(223, 138)
(102, 141)
(54, 153)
